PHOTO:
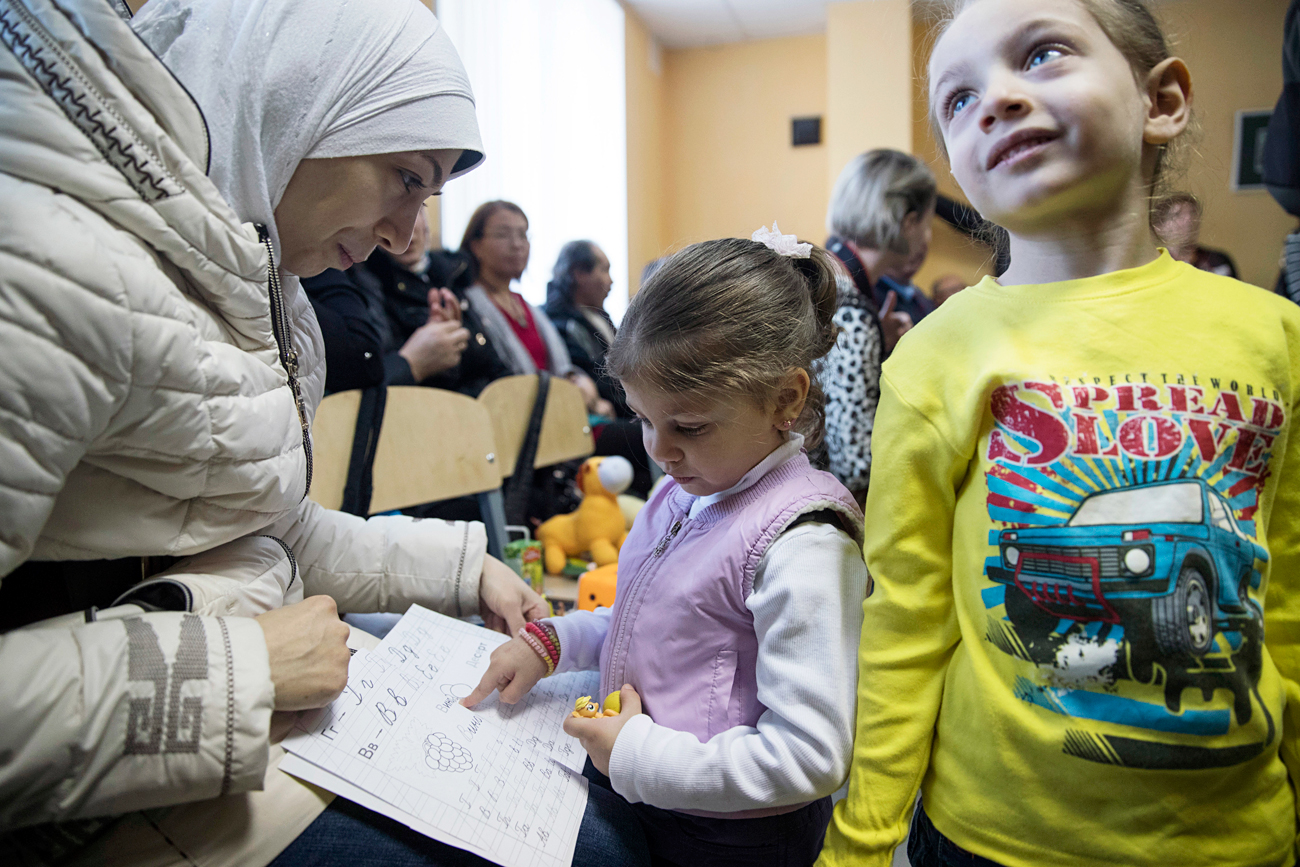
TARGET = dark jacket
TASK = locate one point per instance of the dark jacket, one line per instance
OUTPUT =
(379, 297)
(354, 349)
(587, 349)
(1282, 146)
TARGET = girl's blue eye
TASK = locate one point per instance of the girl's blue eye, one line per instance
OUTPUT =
(1042, 55)
(958, 102)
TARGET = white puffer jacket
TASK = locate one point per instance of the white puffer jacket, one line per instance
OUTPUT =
(145, 410)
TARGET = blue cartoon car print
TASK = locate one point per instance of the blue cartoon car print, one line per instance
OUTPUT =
(1167, 561)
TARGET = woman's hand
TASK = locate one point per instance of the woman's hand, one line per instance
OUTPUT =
(307, 646)
(590, 394)
(434, 347)
(597, 735)
(506, 603)
(893, 325)
(514, 669)
(444, 306)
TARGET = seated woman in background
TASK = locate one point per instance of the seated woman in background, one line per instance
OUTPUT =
(496, 245)
(390, 319)
(575, 302)
(879, 220)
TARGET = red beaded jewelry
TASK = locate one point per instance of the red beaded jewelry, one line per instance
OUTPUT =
(542, 635)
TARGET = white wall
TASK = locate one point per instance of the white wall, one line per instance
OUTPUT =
(549, 85)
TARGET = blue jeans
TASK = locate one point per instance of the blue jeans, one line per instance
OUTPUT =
(350, 834)
(928, 847)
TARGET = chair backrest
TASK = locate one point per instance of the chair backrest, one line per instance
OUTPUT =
(434, 445)
(331, 440)
(565, 434)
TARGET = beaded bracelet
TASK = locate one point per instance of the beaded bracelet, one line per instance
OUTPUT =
(540, 650)
(542, 636)
(555, 637)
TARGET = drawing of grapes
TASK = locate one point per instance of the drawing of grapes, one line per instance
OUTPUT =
(441, 753)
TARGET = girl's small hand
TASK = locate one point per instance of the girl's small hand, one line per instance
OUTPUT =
(514, 669)
(597, 735)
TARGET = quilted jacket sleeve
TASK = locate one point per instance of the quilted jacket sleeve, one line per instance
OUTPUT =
(65, 368)
(387, 562)
(122, 715)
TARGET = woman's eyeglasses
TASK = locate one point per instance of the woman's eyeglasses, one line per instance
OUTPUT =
(507, 235)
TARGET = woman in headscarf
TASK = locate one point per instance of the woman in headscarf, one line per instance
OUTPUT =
(160, 371)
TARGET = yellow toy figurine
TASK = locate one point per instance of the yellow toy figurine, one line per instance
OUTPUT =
(585, 707)
(597, 526)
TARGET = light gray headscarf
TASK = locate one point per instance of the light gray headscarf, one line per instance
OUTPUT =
(280, 81)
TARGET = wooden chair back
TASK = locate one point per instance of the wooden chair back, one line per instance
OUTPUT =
(565, 434)
(434, 445)
(331, 440)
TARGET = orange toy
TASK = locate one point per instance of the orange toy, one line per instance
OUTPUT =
(596, 588)
(597, 526)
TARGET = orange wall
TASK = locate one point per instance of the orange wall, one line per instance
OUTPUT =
(646, 112)
(1234, 50)
(868, 61)
(729, 165)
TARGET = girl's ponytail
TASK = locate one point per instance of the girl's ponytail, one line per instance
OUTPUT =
(820, 273)
(731, 317)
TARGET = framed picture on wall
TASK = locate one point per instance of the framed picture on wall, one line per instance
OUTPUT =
(1251, 129)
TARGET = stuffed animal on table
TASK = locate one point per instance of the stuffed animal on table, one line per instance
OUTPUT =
(597, 526)
(585, 707)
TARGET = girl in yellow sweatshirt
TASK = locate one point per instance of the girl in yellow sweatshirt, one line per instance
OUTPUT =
(1084, 522)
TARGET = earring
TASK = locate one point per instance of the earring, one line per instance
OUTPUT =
(785, 425)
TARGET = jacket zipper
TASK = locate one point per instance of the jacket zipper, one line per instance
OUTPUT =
(663, 543)
(288, 552)
(284, 342)
(637, 587)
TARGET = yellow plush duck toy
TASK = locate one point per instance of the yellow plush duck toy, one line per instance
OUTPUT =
(597, 526)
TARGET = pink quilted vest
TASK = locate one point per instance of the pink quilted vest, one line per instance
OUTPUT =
(679, 630)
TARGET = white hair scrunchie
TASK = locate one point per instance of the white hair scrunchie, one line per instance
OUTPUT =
(784, 245)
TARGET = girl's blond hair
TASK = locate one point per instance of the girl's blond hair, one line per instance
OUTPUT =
(731, 318)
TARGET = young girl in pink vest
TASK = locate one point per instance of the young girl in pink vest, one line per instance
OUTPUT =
(739, 605)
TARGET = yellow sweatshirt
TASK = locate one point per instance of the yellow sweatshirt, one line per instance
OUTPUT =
(1083, 520)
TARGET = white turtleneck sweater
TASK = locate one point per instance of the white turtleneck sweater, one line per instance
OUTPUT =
(807, 604)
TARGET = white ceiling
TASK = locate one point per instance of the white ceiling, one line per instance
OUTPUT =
(691, 23)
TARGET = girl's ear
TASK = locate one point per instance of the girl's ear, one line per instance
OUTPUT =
(1169, 98)
(790, 397)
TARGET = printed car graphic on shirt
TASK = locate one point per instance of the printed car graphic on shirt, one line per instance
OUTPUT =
(1167, 560)
(1125, 564)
